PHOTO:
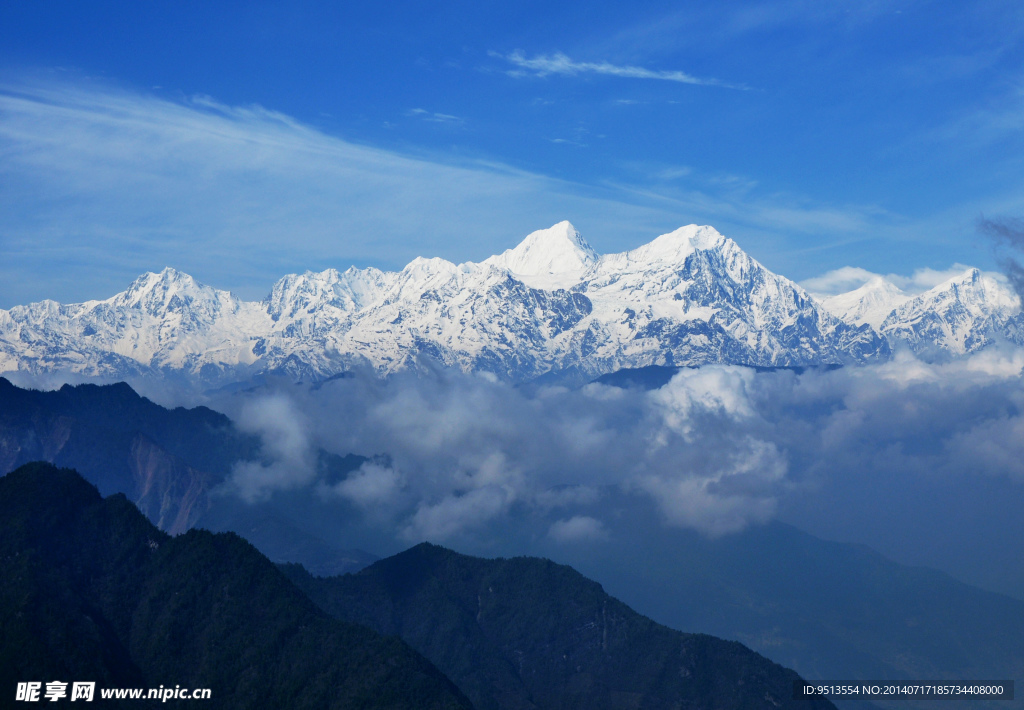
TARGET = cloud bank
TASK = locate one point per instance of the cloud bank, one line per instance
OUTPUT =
(878, 454)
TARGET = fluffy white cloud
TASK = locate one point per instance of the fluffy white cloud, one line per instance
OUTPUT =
(579, 528)
(288, 456)
(849, 278)
(473, 461)
(372, 484)
(455, 513)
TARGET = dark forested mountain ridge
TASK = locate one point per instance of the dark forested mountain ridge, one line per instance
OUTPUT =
(94, 592)
(528, 633)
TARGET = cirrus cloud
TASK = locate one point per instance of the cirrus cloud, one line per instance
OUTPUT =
(558, 63)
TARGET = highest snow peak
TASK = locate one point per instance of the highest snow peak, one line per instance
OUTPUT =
(559, 250)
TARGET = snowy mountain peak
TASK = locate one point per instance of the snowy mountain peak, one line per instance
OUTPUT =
(870, 303)
(971, 278)
(296, 292)
(421, 269)
(675, 246)
(168, 277)
(991, 290)
(157, 292)
(961, 315)
(973, 290)
(557, 257)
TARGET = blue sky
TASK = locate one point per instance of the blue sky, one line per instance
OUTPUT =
(242, 141)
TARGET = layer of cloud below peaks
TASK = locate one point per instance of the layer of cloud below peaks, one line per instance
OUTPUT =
(717, 449)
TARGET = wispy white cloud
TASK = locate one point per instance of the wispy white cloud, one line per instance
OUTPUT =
(733, 201)
(434, 117)
(558, 63)
(567, 141)
(100, 184)
(999, 121)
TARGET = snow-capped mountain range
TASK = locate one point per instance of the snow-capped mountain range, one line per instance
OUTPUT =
(550, 306)
(956, 317)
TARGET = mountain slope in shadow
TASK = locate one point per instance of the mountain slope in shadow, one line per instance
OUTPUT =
(828, 610)
(526, 633)
(168, 462)
(94, 592)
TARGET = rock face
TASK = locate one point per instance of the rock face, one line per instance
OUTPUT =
(551, 305)
(166, 461)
